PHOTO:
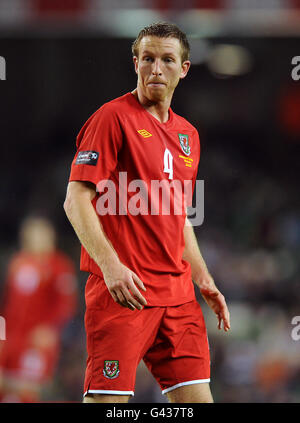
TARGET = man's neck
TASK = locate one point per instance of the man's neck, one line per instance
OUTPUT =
(159, 109)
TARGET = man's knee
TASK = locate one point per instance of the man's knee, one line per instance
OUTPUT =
(104, 398)
(199, 392)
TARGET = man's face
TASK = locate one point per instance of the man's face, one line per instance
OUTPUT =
(37, 236)
(159, 67)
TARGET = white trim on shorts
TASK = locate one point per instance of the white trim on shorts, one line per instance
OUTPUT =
(191, 382)
(93, 391)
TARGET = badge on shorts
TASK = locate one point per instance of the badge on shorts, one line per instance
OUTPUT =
(184, 143)
(111, 369)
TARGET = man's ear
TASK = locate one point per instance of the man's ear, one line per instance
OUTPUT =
(135, 62)
(185, 68)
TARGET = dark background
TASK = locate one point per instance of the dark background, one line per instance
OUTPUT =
(249, 127)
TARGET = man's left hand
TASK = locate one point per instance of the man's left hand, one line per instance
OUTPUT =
(215, 300)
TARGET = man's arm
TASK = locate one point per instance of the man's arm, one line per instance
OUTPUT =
(120, 281)
(203, 279)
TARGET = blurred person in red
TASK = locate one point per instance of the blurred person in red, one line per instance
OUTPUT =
(40, 298)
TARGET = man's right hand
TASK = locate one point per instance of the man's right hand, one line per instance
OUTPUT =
(122, 284)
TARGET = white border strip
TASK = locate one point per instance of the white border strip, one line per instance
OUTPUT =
(191, 382)
(92, 391)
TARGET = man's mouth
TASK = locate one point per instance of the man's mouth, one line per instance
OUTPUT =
(156, 84)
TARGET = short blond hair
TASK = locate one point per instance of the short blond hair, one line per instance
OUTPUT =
(163, 30)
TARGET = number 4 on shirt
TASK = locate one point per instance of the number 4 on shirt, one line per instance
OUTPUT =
(168, 163)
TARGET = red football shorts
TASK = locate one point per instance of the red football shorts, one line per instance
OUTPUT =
(171, 340)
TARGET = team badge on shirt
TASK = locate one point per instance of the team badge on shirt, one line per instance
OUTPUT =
(184, 144)
(111, 369)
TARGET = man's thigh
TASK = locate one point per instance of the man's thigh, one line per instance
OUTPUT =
(117, 339)
(180, 355)
(199, 392)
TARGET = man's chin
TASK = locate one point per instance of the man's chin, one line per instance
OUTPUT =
(156, 94)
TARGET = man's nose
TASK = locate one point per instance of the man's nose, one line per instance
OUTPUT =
(156, 70)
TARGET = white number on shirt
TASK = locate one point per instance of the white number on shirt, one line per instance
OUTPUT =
(168, 163)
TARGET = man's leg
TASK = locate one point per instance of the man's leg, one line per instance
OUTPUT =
(199, 392)
(180, 356)
(117, 339)
(93, 398)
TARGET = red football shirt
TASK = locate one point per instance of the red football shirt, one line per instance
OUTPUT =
(40, 290)
(125, 144)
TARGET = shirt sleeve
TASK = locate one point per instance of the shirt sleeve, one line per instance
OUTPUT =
(98, 144)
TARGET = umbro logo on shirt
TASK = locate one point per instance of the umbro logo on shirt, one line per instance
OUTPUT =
(144, 133)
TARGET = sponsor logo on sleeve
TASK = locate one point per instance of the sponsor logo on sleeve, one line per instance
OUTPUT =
(87, 158)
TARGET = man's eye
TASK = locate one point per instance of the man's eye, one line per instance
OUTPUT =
(147, 59)
(168, 59)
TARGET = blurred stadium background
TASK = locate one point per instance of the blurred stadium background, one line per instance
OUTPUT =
(66, 58)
